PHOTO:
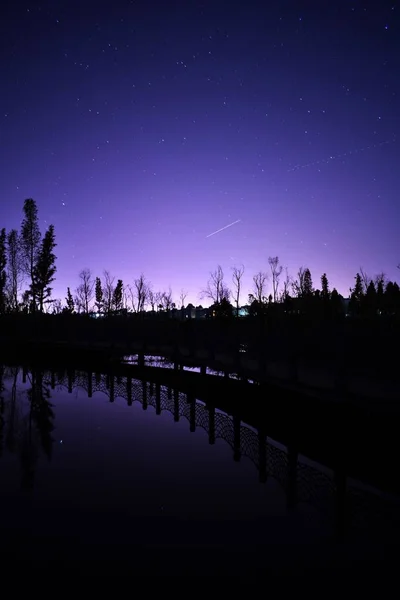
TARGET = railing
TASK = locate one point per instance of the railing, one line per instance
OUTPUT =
(352, 506)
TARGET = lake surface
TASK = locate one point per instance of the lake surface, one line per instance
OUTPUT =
(106, 466)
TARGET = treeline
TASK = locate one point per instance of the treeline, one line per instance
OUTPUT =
(28, 269)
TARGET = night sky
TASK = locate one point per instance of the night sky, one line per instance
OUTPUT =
(140, 128)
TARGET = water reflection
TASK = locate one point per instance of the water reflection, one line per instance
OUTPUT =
(26, 427)
(33, 403)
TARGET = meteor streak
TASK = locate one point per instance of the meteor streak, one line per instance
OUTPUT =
(336, 156)
(222, 228)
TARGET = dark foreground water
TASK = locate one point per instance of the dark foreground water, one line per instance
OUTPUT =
(86, 472)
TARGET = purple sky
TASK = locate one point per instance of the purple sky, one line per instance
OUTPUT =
(142, 127)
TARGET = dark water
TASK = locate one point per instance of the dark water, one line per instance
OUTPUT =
(100, 476)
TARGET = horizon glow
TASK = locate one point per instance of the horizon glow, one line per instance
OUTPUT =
(145, 133)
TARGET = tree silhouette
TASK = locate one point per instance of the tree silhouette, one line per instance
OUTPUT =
(286, 287)
(298, 283)
(260, 287)
(30, 245)
(216, 289)
(108, 291)
(325, 294)
(370, 299)
(237, 285)
(84, 291)
(152, 297)
(167, 302)
(70, 302)
(45, 269)
(357, 294)
(392, 298)
(380, 284)
(308, 289)
(336, 303)
(98, 294)
(276, 271)
(365, 280)
(139, 294)
(57, 307)
(3, 273)
(118, 295)
(182, 297)
(14, 269)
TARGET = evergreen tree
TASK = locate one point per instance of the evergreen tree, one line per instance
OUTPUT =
(3, 272)
(70, 302)
(307, 283)
(30, 244)
(336, 302)
(14, 268)
(118, 295)
(356, 296)
(45, 269)
(98, 293)
(370, 299)
(325, 294)
(380, 292)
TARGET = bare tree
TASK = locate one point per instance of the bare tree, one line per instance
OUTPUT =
(139, 293)
(158, 296)
(167, 302)
(298, 284)
(57, 306)
(130, 293)
(126, 298)
(84, 291)
(287, 285)
(276, 270)
(141, 288)
(182, 297)
(366, 279)
(151, 297)
(237, 274)
(259, 287)
(108, 291)
(216, 289)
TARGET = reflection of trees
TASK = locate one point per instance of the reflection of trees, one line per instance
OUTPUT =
(327, 490)
(38, 428)
(12, 424)
(2, 405)
(42, 412)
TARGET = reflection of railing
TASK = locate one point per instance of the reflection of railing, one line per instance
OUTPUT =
(329, 492)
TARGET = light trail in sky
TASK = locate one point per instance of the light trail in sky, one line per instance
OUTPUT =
(338, 156)
(222, 228)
